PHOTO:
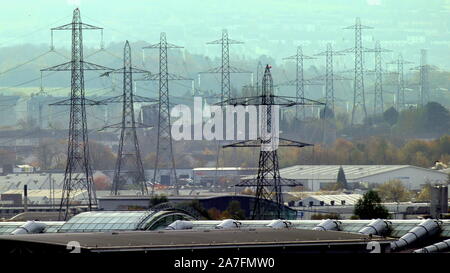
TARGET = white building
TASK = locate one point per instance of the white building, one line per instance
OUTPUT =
(330, 200)
(316, 177)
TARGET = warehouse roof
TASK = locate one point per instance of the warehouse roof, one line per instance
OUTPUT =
(352, 172)
(350, 199)
(191, 238)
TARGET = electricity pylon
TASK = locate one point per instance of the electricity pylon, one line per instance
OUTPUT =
(300, 81)
(400, 92)
(78, 173)
(378, 106)
(358, 85)
(164, 147)
(225, 69)
(129, 168)
(268, 181)
(329, 77)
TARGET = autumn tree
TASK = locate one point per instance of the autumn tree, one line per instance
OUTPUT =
(425, 194)
(394, 191)
(235, 211)
(49, 153)
(102, 157)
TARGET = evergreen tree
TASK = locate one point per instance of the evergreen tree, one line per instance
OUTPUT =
(341, 180)
(369, 207)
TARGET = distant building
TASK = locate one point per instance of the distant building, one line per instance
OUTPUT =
(317, 177)
(205, 176)
(329, 200)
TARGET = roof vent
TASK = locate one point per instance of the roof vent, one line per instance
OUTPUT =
(180, 224)
(229, 224)
(279, 224)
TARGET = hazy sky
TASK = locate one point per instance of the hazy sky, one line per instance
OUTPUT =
(271, 27)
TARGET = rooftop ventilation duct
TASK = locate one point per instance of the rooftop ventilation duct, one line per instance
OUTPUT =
(29, 227)
(180, 224)
(376, 227)
(229, 224)
(426, 228)
(435, 247)
(279, 224)
(328, 225)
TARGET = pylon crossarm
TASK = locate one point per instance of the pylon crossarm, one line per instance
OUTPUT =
(115, 126)
(60, 67)
(255, 182)
(352, 50)
(69, 26)
(122, 70)
(158, 45)
(155, 77)
(119, 125)
(358, 26)
(92, 66)
(77, 102)
(68, 67)
(295, 57)
(269, 100)
(220, 41)
(282, 142)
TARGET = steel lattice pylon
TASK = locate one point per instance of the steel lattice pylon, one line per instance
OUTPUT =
(378, 107)
(329, 77)
(78, 172)
(400, 92)
(225, 69)
(268, 181)
(300, 81)
(129, 168)
(358, 85)
(164, 148)
(424, 85)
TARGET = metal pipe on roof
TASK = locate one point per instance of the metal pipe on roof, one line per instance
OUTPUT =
(277, 224)
(180, 224)
(229, 224)
(328, 224)
(437, 247)
(426, 228)
(376, 227)
(30, 227)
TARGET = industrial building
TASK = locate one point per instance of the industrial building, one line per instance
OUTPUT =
(329, 200)
(316, 177)
(217, 201)
(210, 176)
(159, 231)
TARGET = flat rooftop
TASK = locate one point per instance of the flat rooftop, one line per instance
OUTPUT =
(178, 239)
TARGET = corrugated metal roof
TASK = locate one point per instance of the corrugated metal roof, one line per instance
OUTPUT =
(352, 172)
(350, 199)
